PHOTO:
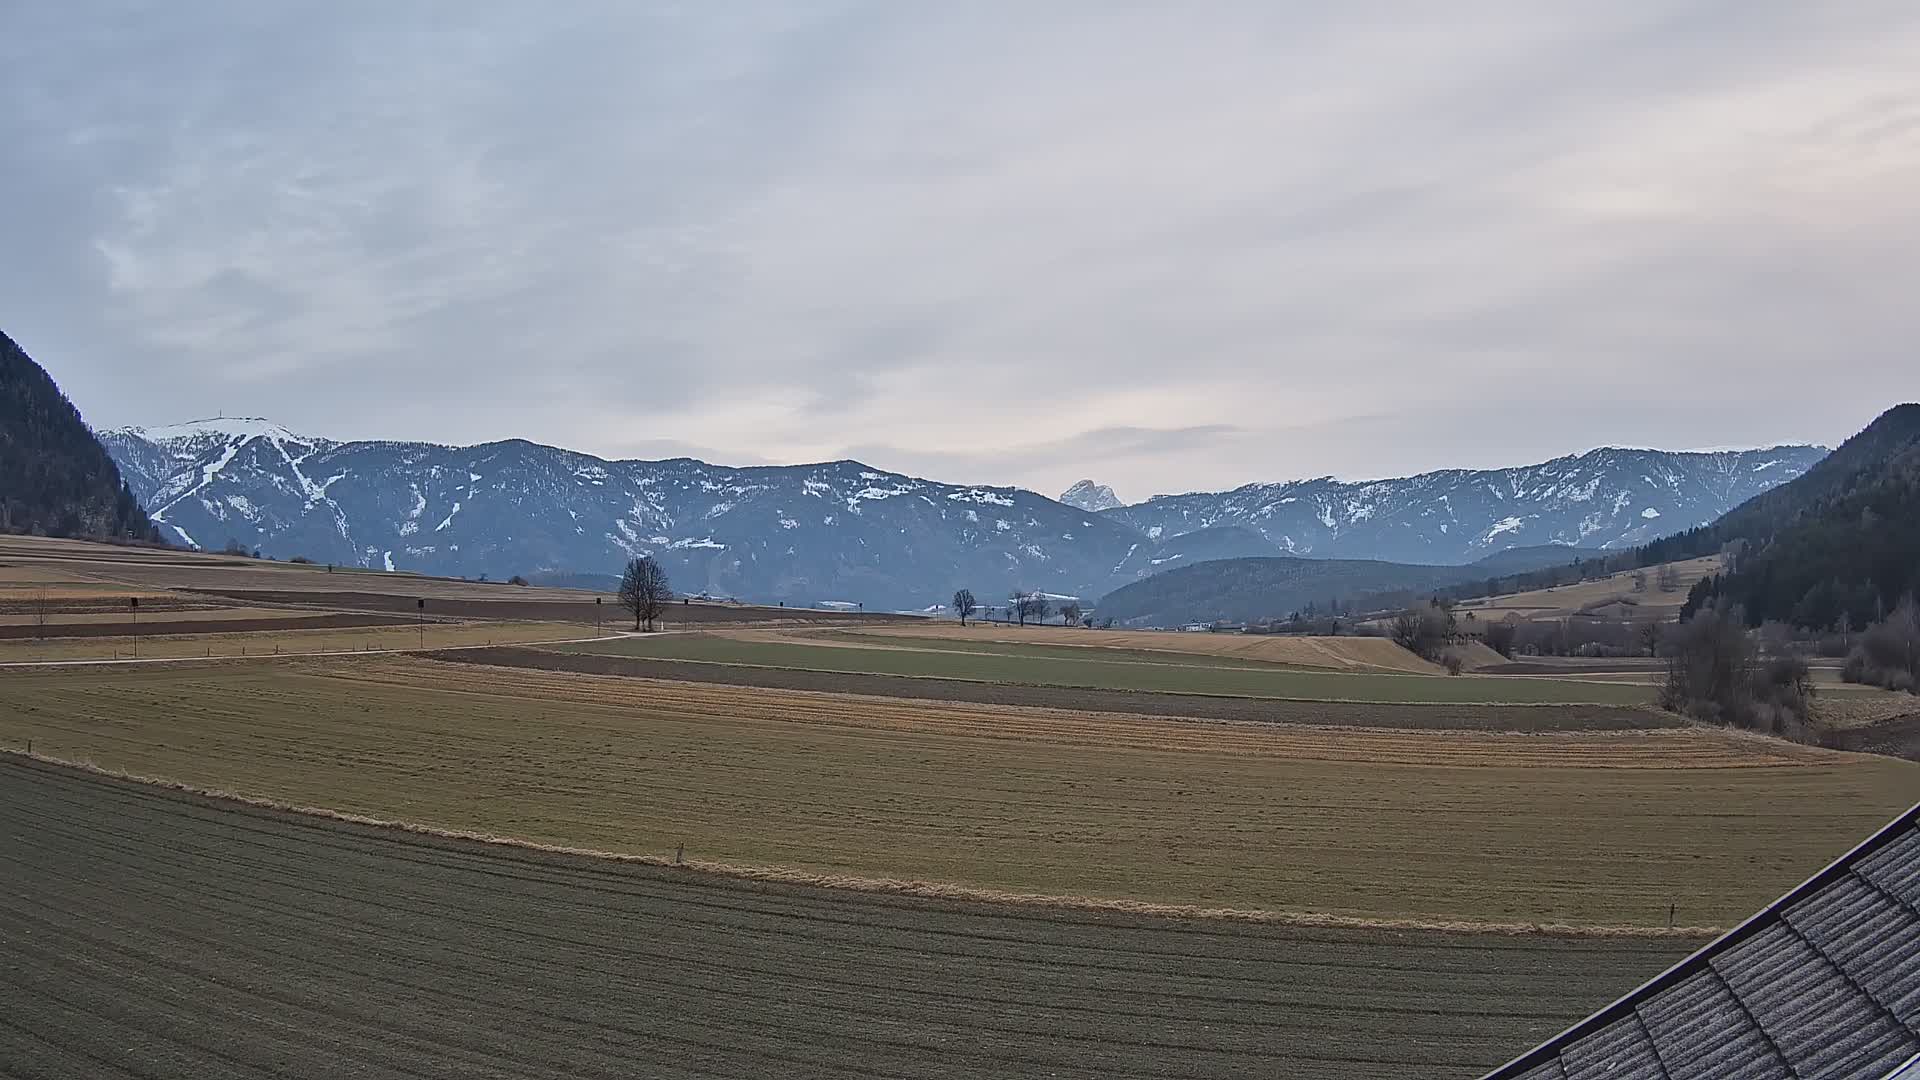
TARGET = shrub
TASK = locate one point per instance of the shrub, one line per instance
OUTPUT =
(1714, 677)
(301, 559)
(1421, 631)
(1888, 653)
(516, 580)
(1501, 636)
(1452, 662)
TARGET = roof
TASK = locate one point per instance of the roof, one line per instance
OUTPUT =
(1823, 983)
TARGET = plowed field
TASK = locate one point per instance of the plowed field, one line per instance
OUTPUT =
(1351, 653)
(149, 933)
(1603, 828)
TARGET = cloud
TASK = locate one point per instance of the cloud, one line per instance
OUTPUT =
(1168, 249)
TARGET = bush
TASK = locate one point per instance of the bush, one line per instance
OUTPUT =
(1420, 631)
(1714, 677)
(1889, 652)
(1452, 662)
(302, 560)
(1501, 636)
(516, 580)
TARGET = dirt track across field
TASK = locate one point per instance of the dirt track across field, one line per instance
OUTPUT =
(154, 933)
(1199, 706)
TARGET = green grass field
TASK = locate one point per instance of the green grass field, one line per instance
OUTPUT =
(1202, 676)
(1038, 651)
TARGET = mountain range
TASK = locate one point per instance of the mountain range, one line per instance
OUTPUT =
(846, 531)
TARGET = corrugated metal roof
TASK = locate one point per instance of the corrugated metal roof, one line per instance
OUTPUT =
(1824, 983)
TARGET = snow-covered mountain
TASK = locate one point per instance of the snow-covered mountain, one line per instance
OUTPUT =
(803, 533)
(1606, 498)
(845, 531)
(1087, 495)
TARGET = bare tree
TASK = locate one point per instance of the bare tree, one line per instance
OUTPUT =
(1668, 577)
(1070, 613)
(42, 612)
(1651, 635)
(1501, 636)
(1041, 607)
(963, 605)
(1710, 665)
(1019, 605)
(1639, 581)
(644, 591)
(1420, 631)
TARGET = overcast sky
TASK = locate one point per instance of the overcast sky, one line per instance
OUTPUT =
(1168, 246)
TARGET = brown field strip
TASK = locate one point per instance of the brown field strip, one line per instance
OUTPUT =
(345, 633)
(1374, 654)
(156, 932)
(116, 616)
(234, 621)
(1565, 600)
(1586, 829)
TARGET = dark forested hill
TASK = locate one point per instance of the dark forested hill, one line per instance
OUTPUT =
(1841, 540)
(55, 477)
(1247, 590)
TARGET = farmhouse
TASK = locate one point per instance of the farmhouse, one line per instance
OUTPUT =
(1825, 982)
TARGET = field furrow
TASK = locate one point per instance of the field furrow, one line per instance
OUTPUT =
(159, 925)
(1592, 828)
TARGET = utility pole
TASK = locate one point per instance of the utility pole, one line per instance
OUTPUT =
(596, 615)
(421, 605)
(133, 606)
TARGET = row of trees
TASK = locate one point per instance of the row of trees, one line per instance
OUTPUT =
(1024, 606)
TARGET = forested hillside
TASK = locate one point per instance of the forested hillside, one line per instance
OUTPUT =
(55, 477)
(1840, 544)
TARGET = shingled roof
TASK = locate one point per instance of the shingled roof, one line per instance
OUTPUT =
(1824, 983)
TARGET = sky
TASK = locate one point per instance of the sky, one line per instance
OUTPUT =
(1167, 246)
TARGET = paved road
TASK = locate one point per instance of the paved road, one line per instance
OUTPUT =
(146, 933)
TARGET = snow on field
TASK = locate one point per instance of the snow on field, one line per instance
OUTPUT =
(389, 562)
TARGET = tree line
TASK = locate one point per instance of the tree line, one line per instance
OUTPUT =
(1023, 606)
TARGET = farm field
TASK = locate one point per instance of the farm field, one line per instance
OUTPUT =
(1587, 829)
(154, 929)
(209, 640)
(1566, 600)
(861, 638)
(1453, 717)
(1118, 674)
(78, 571)
(1340, 653)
